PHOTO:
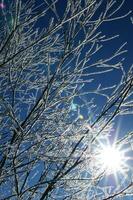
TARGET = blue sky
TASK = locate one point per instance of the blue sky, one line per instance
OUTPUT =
(125, 29)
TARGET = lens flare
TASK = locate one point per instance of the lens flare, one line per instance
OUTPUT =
(2, 5)
(112, 159)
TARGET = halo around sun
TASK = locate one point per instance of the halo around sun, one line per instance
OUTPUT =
(112, 159)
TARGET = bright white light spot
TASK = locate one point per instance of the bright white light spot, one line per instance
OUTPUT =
(81, 117)
(111, 159)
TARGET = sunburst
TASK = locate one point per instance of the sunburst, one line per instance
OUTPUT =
(112, 159)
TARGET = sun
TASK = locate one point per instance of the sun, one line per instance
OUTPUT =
(112, 159)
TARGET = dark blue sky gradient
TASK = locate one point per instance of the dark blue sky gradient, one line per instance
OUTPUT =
(124, 28)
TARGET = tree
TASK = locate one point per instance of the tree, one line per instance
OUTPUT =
(50, 58)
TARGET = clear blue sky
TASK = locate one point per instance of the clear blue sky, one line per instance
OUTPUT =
(125, 29)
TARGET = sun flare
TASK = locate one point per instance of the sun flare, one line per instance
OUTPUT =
(112, 159)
